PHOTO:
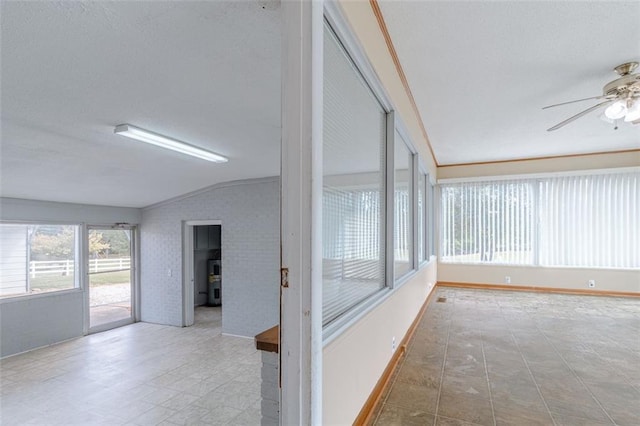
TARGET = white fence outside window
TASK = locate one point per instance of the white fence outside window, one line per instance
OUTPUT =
(66, 267)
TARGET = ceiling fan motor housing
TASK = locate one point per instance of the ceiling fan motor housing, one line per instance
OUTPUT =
(628, 84)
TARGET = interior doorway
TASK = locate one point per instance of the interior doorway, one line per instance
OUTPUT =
(110, 271)
(202, 271)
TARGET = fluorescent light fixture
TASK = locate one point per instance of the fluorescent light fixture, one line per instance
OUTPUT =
(142, 135)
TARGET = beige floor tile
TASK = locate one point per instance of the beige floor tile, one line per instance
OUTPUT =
(414, 397)
(470, 409)
(393, 415)
(141, 374)
(574, 357)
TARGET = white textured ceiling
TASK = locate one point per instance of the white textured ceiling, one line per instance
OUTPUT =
(481, 71)
(207, 73)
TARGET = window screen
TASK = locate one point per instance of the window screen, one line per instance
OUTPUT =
(353, 185)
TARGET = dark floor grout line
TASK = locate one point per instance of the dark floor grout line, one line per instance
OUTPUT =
(513, 337)
(575, 374)
(444, 361)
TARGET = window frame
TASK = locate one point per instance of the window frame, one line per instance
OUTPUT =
(535, 179)
(422, 181)
(78, 282)
(365, 78)
(400, 130)
(335, 20)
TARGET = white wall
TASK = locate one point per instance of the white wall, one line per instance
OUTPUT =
(38, 211)
(250, 215)
(29, 322)
(558, 278)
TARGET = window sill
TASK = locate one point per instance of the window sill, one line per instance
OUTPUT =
(517, 265)
(19, 297)
(352, 317)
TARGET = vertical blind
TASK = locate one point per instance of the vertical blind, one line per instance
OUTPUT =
(590, 221)
(582, 221)
(488, 222)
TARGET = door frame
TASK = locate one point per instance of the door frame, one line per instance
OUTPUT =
(188, 246)
(134, 274)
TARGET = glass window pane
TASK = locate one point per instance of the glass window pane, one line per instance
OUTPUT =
(353, 186)
(488, 222)
(403, 231)
(37, 258)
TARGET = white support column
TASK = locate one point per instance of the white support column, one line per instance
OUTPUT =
(301, 213)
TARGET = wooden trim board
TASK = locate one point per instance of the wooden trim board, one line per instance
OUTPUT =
(368, 409)
(548, 157)
(403, 78)
(585, 292)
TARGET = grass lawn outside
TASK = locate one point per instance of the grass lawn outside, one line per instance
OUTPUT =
(44, 283)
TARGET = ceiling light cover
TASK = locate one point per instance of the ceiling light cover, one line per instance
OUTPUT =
(633, 113)
(156, 139)
(616, 110)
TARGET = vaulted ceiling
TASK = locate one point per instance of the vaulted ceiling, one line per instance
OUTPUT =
(208, 73)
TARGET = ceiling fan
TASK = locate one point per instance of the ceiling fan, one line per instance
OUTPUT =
(621, 98)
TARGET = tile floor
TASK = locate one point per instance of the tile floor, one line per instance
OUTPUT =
(140, 374)
(510, 358)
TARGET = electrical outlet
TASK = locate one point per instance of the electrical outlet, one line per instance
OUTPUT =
(592, 283)
(507, 279)
(393, 344)
(169, 272)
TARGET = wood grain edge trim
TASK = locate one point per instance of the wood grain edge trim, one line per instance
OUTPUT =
(551, 157)
(538, 289)
(369, 407)
(403, 78)
(269, 340)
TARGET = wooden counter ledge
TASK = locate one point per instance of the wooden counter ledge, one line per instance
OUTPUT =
(269, 340)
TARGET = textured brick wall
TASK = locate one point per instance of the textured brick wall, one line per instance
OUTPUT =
(269, 390)
(249, 211)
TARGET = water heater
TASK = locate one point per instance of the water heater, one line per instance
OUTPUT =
(214, 275)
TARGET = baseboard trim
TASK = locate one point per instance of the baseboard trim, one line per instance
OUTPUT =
(369, 407)
(538, 289)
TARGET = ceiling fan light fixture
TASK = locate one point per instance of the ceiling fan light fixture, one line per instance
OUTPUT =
(616, 110)
(633, 112)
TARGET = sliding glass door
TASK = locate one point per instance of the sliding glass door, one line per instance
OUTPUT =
(110, 268)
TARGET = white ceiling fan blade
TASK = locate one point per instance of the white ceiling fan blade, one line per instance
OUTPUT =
(578, 115)
(581, 100)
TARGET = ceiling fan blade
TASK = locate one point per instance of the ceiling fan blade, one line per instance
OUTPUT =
(578, 115)
(580, 100)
